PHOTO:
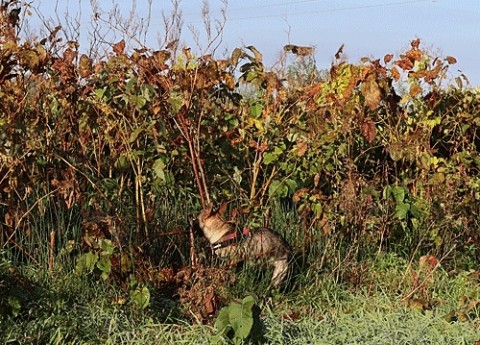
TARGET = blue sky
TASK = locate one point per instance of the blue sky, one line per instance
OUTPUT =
(370, 28)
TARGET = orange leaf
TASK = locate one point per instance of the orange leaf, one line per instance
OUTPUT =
(229, 81)
(395, 73)
(415, 90)
(209, 301)
(387, 58)
(119, 47)
(404, 64)
(414, 55)
(235, 141)
(451, 60)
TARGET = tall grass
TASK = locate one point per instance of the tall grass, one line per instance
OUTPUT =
(68, 309)
(381, 299)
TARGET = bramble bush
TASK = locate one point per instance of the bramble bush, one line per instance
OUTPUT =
(381, 155)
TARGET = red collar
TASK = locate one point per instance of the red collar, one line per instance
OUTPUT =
(230, 238)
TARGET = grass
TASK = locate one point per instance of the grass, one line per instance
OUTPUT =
(58, 308)
(381, 299)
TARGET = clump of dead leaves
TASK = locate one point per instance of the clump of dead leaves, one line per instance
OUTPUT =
(202, 291)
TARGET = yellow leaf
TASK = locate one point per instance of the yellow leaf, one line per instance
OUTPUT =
(415, 90)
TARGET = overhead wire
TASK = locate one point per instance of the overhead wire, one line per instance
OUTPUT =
(330, 10)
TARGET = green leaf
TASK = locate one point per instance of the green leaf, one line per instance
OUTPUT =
(317, 209)
(140, 297)
(277, 189)
(237, 317)
(249, 301)
(139, 101)
(105, 266)
(122, 161)
(256, 110)
(176, 101)
(130, 85)
(237, 175)
(222, 324)
(292, 185)
(401, 210)
(269, 157)
(159, 169)
(100, 92)
(415, 211)
(399, 194)
(387, 192)
(241, 319)
(107, 247)
(15, 305)
(29, 58)
(86, 262)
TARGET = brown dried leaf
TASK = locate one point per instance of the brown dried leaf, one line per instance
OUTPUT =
(69, 55)
(414, 55)
(368, 130)
(395, 73)
(160, 56)
(451, 60)
(54, 33)
(209, 301)
(299, 50)
(371, 91)
(302, 148)
(259, 147)
(61, 66)
(415, 43)
(222, 209)
(339, 52)
(428, 262)
(237, 54)
(291, 316)
(258, 57)
(262, 147)
(387, 58)
(298, 195)
(119, 47)
(85, 66)
(172, 44)
(404, 64)
(316, 180)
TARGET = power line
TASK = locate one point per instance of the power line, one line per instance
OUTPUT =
(262, 6)
(276, 4)
(332, 10)
(294, 14)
